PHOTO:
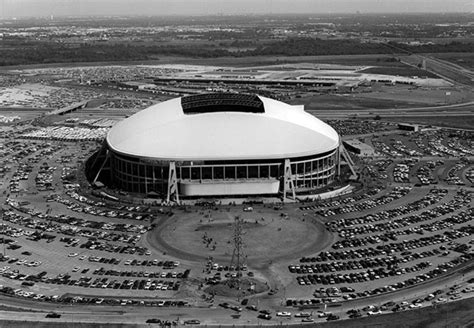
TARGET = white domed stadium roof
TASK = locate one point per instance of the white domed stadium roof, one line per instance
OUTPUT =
(222, 127)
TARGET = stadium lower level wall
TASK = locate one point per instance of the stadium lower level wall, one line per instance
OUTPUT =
(223, 178)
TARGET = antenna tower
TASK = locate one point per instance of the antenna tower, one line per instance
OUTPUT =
(238, 254)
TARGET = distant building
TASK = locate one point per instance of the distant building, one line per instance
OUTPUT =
(409, 127)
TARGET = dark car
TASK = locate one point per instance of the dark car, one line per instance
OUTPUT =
(192, 322)
(264, 316)
(53, 315)
(332, 317)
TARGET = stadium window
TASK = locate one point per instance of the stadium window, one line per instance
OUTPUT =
(264, 171)
(241, 172)
(300, 168)
(127, 169)
(274, 171)
(121, 166)
(253, 172)
(229, 172)
(149, 171)
(158, 172)
(206, 172)
(185, 173)
(150, 187)
(218, 172)
(135, 169)
(195, 173)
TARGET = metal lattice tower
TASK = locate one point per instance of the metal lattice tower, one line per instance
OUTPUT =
(238, 254)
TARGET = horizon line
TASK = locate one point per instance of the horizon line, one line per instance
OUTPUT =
(241, 14)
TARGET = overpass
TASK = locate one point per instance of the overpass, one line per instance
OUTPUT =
(69, 109)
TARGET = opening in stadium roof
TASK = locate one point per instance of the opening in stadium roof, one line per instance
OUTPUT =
(222, 102)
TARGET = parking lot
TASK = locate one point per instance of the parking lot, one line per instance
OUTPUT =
(66, 244)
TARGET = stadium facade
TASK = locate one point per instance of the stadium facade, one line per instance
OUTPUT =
(221, 144)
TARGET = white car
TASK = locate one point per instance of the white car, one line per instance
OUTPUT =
(374, 312)
(283, 314)
(324, 314)
(303, 315)
(72, 254)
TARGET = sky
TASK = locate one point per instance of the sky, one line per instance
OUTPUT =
(29, 8)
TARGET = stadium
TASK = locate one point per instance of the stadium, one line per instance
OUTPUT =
(221, 144)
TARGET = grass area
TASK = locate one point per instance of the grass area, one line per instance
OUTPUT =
(465, 60)
(440, 69)
(456, 314)
(385, 61)
(326, 102)
(462, 122)
(356, 60)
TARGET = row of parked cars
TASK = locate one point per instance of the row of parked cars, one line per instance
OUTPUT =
(344, 201)
(420, 278)
(97, 208)
(89, 282)
(336, 266)
(36, 217)
(65, 299)
(406, 225)
(397, 193)
(45, 225)
(390, 248)
(433, 197)
(360, 276)
(64, 133)
(146, 274)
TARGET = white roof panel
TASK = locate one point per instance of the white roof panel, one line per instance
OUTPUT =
(163, 131)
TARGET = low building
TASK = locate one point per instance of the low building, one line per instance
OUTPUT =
(357, 147)
(409, 127)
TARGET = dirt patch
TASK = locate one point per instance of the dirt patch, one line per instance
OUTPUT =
(268, 235)
(231, 288)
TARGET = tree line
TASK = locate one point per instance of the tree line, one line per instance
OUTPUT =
(48, 52)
